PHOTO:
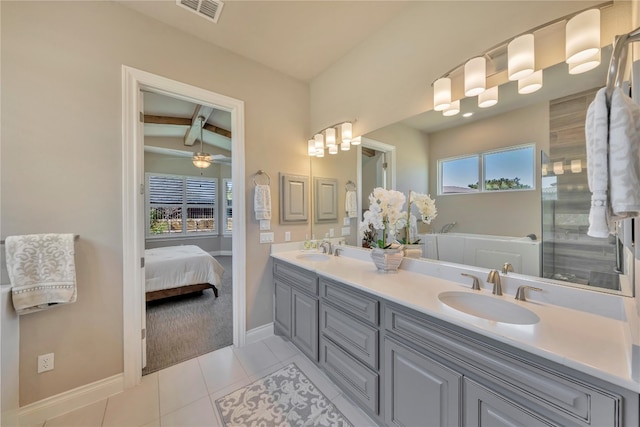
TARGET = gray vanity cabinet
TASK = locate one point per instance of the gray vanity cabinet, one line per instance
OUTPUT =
(419, 390)
(296, 307)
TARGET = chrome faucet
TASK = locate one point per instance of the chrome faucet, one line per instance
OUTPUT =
(337, 251)
(326, 247)
(494, 277)
(507, 267)
(445, 228)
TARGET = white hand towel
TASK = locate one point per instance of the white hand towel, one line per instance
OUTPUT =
(624, 160)
(262, 202)
(597, 133)
(42, 270)
(351, 204)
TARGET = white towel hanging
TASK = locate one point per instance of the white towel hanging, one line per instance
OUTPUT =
(42, 271)
(351, 204)
(262, 202)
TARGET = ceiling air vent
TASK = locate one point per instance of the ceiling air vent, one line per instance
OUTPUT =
(208, 9)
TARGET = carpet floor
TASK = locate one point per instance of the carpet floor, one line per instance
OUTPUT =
(188, 326)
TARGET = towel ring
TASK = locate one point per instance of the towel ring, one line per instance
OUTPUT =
(618, 60)
(261, 172)
(350, 186)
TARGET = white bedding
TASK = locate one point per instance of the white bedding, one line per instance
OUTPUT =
(175, 266)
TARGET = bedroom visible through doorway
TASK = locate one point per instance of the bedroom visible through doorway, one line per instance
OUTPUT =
(188, 219)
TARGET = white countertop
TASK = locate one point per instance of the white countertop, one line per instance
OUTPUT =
(596, 345)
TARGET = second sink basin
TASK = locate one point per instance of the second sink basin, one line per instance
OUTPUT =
(489, 307)
(313, 256)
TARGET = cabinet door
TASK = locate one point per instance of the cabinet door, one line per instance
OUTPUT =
(486, 408)
(418, 389)
(282, 315)
(304, 326)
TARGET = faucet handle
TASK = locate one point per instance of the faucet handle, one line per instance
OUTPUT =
(507, 267)
(520, 293)
(476, 281)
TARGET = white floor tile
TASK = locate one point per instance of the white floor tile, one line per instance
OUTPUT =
(268, 371)
(353, 413)
(181, 385)
(281, 348)
(136, 406)
(255, 357)
(317, 377)
(197, 414)
(87, 416)
(221, 369)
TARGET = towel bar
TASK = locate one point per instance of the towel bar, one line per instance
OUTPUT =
(75, 237)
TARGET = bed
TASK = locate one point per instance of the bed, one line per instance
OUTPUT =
(179, 270)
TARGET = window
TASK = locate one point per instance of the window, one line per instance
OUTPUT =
(180, 205)
(501, 170)
(227, 203)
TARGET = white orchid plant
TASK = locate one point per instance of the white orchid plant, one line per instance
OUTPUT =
(385, 214)
(427, 210)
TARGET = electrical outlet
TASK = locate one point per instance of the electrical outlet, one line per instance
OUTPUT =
(346, 221)
(287, 236)
(45, 362)
(332, 232)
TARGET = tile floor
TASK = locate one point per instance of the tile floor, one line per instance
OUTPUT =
(183, 395)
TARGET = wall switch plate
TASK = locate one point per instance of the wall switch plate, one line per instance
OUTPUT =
(265, 224)
(332, 232)
(266, 237)
(346, 221)
(287, 236)
(346, 231)
(45, 362)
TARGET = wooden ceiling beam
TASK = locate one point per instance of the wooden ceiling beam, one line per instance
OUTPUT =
(369, 152)
(183, 121)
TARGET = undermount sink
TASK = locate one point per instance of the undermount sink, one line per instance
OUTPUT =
(488, 307)
(313, 256)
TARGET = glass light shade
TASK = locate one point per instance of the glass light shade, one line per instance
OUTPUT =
(442, 94)
(520, 57)
(330, 137)
(346, 132)
(356, 141)
(576, 166)
(488, 98)
(311, 147)
(319, 139)
(530, 83)
(588, 64)
(454, 108)
(582, 36)
(333, 149)
(201, 160)
(558, 168)
(475, 76)
(319, 152)
(345, 146)
(544, 170)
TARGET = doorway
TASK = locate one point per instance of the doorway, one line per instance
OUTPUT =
(134, 82)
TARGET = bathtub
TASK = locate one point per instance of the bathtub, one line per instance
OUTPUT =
(486, 251)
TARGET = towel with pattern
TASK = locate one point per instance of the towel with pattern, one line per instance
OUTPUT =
(262, 202)
(42, 270)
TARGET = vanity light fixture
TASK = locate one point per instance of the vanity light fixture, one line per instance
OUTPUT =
(558, 168)
(488, 98)
(520, 57)
(530, 83)
(311, 147)
(576, 166)
(475, 76)
(544, 169)
(346, 132)
(453, 109)
(345, 146)
(442, 94)
(330, 137)
(201, 159)
(588, 64)
(319, 139)
(333, 149)
(582, 36)
(356, 141)
(467, 114)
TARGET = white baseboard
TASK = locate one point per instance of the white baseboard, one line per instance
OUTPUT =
(259, 333)
(54, 406)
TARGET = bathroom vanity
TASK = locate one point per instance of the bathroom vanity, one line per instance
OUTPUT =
(408, 359)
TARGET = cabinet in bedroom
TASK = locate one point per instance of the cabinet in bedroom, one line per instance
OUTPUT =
(296, 307)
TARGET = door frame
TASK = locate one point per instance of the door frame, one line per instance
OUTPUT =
(133, 231)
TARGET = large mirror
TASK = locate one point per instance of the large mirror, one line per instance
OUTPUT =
(545, 221)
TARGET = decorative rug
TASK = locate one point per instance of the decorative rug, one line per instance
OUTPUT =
(284, 398)
(187, 326)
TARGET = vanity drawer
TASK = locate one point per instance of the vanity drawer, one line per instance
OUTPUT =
(299, 277)
(557, 391)
(360, 382)
(353, 302)
(359, 339)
